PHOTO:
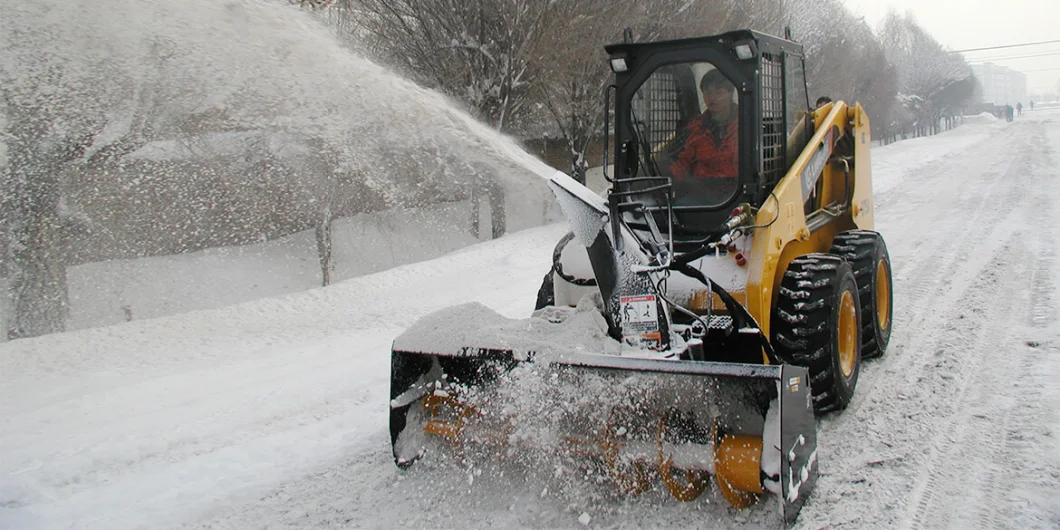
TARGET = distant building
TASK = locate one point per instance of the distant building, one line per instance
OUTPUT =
(1001, 85)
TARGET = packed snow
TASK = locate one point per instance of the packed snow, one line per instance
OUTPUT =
(223, 389)
(273, 412)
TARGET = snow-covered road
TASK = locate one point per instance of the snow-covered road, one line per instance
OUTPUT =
(273, 413)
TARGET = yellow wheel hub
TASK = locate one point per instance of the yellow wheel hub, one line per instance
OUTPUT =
(848, 334)
(883, 295)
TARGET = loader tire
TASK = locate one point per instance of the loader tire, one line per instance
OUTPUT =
(816, 325)
(867, 254)
(546, 295)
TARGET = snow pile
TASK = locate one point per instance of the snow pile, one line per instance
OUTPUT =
(550, 334)
(981, 118)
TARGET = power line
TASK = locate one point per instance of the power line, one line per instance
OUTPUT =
(1010, 57)
(1006, 46)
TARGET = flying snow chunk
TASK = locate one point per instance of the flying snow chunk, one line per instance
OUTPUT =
(584, 518)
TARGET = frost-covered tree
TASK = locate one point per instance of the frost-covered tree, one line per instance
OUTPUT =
(574, 71)
(477, 51)
(844, 59)
(932, 81)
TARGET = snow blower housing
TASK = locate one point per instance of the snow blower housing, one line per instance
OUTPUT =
(694, 320)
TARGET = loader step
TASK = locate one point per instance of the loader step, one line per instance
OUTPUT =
(722, 322)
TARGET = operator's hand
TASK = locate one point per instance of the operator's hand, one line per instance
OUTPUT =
(677, 144)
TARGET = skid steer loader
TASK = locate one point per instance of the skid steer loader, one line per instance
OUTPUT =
(693, 322)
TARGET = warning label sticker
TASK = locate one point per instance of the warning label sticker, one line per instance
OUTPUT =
(640, 314)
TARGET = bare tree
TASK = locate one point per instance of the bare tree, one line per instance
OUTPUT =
(322, 167)
(574, 71)
(477, 51)
(46, 144)
(34, 269)
(844, 59)
(932, 81)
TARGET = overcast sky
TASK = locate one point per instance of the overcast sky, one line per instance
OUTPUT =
(963, 24)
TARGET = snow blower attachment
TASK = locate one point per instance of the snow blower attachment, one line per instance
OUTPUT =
(695, 320)
(645, 421)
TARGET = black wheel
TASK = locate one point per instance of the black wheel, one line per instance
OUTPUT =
(546, 295)
(815, 324)
(867, 254)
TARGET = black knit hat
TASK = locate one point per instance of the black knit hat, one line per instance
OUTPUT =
(715, 78)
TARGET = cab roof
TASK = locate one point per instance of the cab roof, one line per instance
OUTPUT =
(765, 42)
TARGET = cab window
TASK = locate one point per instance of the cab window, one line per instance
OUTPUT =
(685, 122)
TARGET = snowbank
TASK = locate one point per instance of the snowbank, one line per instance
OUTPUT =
(984, 117)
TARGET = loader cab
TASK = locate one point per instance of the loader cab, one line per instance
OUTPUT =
(672, 128)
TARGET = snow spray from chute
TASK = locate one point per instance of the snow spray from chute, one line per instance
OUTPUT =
(253, 65)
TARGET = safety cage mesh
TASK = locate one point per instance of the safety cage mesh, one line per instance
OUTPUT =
(657, 108)
(773, 133)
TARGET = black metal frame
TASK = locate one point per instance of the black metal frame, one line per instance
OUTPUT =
(757, 144)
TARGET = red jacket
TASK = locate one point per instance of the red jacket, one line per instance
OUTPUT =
(705, 155)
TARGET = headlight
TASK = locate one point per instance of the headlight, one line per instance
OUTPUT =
(744, 51)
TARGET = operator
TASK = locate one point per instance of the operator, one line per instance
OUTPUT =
(711, 143)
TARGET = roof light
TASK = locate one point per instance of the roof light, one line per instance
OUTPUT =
(618, 65)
